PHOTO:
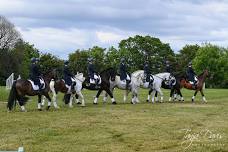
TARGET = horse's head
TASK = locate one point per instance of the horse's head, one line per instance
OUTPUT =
(206, 73)
(52, 74)
(80, 77)
(164, 76)
(113, 74)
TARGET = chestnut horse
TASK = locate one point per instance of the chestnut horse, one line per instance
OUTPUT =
(199, 86)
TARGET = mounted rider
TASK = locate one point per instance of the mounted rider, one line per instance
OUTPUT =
(191, 75)
(93, 75)
(68, 76)
(124, 77)
(172, 80)
(168, 67)
(35, 74)
(147, 73)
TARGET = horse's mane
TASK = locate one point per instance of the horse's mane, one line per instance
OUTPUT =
(201, 74)
(107, 70)
(137, 71)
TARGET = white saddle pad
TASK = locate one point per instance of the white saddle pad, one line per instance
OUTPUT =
(36, 87)
(96, 78)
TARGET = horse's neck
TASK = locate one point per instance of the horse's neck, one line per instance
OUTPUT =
(203, 77)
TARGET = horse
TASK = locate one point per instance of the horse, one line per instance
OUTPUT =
(107, 77)
(175, 90)
(22, 88)
(60, 86)
(199, 86)
(155, 86)
(137, 78)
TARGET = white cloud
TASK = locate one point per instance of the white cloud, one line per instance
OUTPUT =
(62, 26)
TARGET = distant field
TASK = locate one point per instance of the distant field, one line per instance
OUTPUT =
(120, 128)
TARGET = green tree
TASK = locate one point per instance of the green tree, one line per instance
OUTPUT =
(213, 58)
(140, 48)
(186, 55)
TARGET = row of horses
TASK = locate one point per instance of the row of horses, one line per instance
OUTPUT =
(109, 81)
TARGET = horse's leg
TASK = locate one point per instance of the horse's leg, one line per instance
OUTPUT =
(179, 92)
(82, 98)
(77, 98)
(171, 94)
(43, 101)
(71, 100)
(111, 95)
(105, 97)
(153, 94)
(125, 96)
(161, 94)
(22, 103)
(97, 96)
(49, 100)
(156, 96)
(149, 94)
(39, 102)
(193, 97)
(204, 99)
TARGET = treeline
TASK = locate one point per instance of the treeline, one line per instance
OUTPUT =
(15, 58)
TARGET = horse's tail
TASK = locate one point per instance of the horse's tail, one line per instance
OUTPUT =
(12, 97)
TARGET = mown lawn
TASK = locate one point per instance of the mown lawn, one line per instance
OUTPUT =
(122, 127)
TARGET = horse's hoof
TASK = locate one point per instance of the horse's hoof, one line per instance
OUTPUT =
(95, 103)
(79, 103)
(48, 107)
(39, 109)
(114, 103)
(147, 100)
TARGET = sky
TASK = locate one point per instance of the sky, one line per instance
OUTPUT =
(62, 26)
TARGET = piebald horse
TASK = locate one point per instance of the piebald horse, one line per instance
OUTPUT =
(22, 88)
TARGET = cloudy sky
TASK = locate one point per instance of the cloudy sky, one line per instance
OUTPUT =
(62, 26)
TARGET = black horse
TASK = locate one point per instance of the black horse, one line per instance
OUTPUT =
(106, 76)
(22, 88)
(175, 89)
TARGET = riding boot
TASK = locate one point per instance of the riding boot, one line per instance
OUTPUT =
(195, 84)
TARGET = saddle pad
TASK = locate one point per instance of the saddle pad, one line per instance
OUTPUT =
(36, 87)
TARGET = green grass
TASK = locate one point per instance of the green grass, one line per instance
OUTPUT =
(123, 127)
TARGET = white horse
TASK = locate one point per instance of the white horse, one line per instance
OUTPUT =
(133, 87)
(138, 77)
(79, 79)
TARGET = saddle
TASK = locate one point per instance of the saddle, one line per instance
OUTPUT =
(36, 87)
(69, 87)
(96, 80)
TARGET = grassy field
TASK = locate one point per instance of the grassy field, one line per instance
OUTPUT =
(167, 127)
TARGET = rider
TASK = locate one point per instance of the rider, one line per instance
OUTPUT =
(191, 73)
(123, 73)
(92, 71)
(169, 70)
(67, 74)
(35, 73)
(167, 67)
(147, 73)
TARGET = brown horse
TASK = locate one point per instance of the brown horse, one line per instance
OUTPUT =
(199, 86)
(22, 88)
